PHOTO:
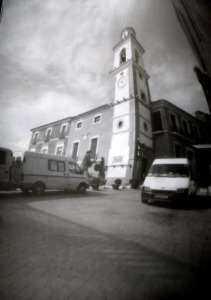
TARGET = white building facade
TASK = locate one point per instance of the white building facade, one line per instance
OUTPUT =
(120, 132)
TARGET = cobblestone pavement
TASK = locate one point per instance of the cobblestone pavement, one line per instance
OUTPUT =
(103, 245)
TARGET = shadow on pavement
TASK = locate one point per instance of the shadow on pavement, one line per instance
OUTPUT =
(198, 203)
(48, 195)
(114, 267)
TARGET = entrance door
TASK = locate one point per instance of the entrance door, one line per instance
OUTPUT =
(93, 148)
(75, 150)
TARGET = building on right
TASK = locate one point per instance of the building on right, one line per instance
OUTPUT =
(177, 133)
(194, 18)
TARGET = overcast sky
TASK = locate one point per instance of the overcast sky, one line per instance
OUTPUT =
(55, 59)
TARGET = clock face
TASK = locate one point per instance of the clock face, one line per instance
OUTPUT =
(122, 81)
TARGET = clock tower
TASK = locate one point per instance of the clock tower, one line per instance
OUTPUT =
(131, 142)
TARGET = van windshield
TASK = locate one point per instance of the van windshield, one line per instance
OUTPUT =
(170, 170)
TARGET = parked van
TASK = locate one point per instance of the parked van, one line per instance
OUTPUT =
(169, 179)
(42, 172)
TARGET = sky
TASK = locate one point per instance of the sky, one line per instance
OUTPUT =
(56, 56)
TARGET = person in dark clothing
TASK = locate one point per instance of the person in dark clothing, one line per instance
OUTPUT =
(102, 170)
(86, 162)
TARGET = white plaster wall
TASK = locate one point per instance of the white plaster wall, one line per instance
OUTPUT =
(144, 112)
(141, 59)
(120, 148)
(122, 92)
(119, 142)
(125, 126)
(142, 129)
(117, 172)
(145, 140)
(141, 85)
(121, 109)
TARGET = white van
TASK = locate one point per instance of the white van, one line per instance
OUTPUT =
(42, 172)
(168, 179)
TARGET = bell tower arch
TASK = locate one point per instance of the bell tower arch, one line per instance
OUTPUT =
(131, 110)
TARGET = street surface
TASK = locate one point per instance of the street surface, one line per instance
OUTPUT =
(105, 244)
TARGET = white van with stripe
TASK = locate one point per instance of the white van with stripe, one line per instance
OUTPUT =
(42, 172)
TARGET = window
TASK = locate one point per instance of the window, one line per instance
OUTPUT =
(140, 75)
(52, 165)
(56, 165)
(123, 56)
(143, 96)
(75, 150)
(48, 134)
(157, 121)
(145, 126)
(74, 168)
(120, 124)
(35, 138)
(44, 150)
(196, 132)
(97, 119)
(79, 125)
(163, 170)
(59, 150)
(61, 166)
(93, 148)
(137, 56)
(185, 127)
(177, 150)
(173, 122)
(63, 131)
(2, 157)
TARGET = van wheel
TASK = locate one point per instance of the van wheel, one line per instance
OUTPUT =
(82, 188)
(38, 188)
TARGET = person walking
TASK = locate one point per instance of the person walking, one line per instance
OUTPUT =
(86, 162)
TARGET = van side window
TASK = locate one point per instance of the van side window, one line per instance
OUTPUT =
(61, 167)
(74, 168)
(55, 165)
(78, 170)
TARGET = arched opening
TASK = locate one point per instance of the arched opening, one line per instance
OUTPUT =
(137, 56)
(122, 56)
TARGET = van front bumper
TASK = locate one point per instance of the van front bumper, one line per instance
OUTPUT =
(157, 195)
